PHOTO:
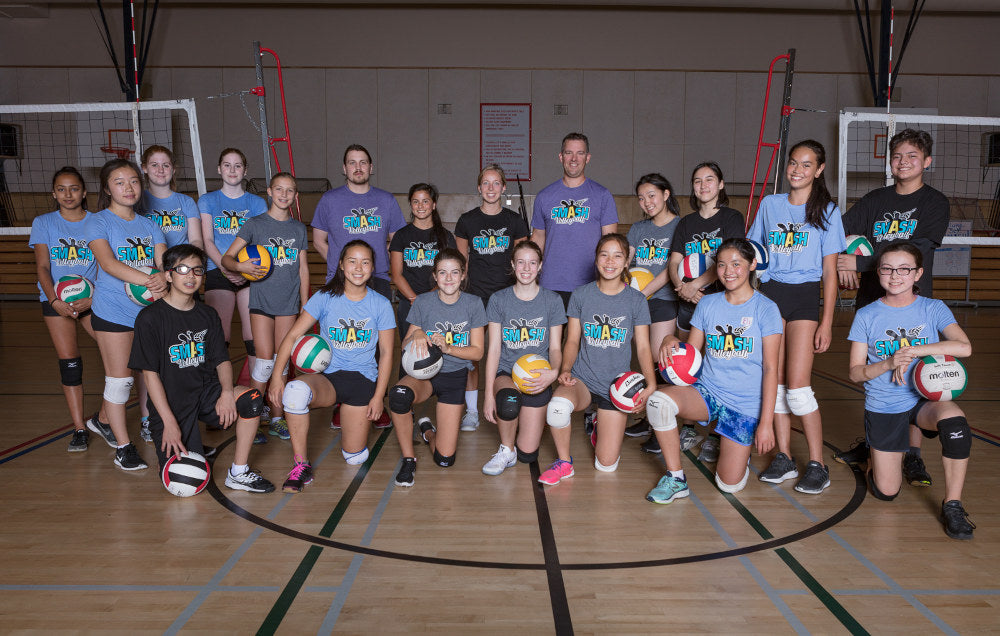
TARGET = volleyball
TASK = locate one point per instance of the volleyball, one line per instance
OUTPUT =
(140, 294)
(939, 378)
(685, 366)
(71, 288)
(760, 254)
(259, 256)
(640, 278)
(625, 389)
(311, 353)
(422, 368)
(524, 370)
(186, 475)
(694, 265)
(859, 246)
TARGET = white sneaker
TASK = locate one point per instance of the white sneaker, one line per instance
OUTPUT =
(502, 459)
(470, 421)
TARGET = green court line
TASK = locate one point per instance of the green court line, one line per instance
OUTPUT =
(298, 578)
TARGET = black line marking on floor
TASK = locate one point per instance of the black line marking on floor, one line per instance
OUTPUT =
(553, 571)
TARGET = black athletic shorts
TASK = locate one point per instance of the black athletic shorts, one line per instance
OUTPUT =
(47, 310)
(685, 311)
(661, 310)
(532, 400)
(449, 387)
(203, 409)
(352, 387)
(565, 298)
(382, 286)
(603, 402)
(215, 279)
(795, 301)
(890, 432)
(100, 324)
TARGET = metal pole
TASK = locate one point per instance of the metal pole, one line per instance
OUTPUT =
(265, 138)
(786, 120)
(884, 48)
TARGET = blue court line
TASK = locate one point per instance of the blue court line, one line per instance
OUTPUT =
(35, 447)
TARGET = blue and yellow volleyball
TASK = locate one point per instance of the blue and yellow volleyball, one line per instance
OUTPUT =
(259, 256)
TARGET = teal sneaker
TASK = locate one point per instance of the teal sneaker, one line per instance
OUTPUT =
(279, 428)
(668, 489)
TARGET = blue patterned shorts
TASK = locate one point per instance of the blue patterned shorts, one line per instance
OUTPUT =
(729, 423)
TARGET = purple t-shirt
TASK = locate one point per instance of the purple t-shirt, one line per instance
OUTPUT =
(572, 219)
(346, 216)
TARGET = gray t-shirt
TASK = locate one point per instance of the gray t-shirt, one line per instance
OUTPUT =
(278, 294)
(608, 327)
(652, 250)
(455, 322)
(525, 325)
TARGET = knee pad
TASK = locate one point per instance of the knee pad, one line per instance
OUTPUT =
(355, 458)
(526, 458)
(781, 400)
(251, 351)
(607, 469)
(262, 368)
(558, 412)
(296, 397)
(444, 461)
(249, 402)
(508, 404)
(117, 390)
(956, 438)
(724, 487)
(71, 371)
(878, 494)
(802, 401)
(401, 399)
(661, 411)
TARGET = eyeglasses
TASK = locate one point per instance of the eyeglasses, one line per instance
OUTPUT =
(186, 269)
(885, 270)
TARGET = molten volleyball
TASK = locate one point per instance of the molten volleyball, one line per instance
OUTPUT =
(140, 294)
(311, 353)
(859, 246)
(72, 288)
(939, 378)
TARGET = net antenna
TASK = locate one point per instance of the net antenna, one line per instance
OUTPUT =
(884, 79)
(135, 45)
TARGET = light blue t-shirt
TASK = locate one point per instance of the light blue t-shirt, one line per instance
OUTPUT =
(795, 248)
(228, 216)
(455, 322)
(67, 244)
(652, 250)
(133, 243)
(351, 329)
(172, 215)
(525, 325)
(885, 329)
(733, 360)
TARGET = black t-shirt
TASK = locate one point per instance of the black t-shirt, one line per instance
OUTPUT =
(183, 347)
(885, 217)
(697, 235)
(419, 247)
(491, 242)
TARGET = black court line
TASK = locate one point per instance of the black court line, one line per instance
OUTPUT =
(553, 571)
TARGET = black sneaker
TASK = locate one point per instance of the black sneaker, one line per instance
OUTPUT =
(79, 441)
(299, 477)
(404, 477)
(589, 422)
(915, 472)
(128, 458)
(856, 454)
(956, 521)
(651, 446)
(782, 467)
(639, 429)
(249, 481)
(815, 479)
(102, 429)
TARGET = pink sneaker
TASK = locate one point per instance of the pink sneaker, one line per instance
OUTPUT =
(335, 420)
(383, 421)
(558, 471)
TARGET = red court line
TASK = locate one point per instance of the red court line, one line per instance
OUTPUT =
(978, 430)
(31, 441)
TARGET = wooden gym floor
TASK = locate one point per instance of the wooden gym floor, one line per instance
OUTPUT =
(89, 548)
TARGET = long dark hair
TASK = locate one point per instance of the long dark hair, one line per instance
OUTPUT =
(819, 196)
(70, 170)
(335, 286)
(744, 248)
(104, 198)
(625, 276)
(723, 199)
(657, 180)
(440, 234)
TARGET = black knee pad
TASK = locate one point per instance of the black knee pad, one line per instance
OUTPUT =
(527, 458)
(249, 403)
(401, 399)
(444, 461)
(878, 494)
(251, 351)
(71, 371)
(956, 438)
(508, 404)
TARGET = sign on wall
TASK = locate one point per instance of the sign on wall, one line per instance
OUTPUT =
(505, 138)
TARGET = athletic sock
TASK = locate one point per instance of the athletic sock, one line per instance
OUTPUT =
(677, 474)
(471, 400)
(238, 469)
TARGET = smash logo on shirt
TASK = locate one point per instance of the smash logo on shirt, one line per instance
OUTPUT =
(605, 332)
(71, 252)
(137, 252)
(491, 241)
(168, 220)
(350, 334)
(522, 334)
(901, 337)
(455, 334)
(570, 211)
(281, 251)
(729, 342)
(189, 350)
(230, 221)
(704, 243)
(420, 254)
(361, 221)
(788, 238)
(895, 226)
(652, 252)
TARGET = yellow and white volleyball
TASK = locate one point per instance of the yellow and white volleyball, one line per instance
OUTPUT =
(525, 369)
(641, 277)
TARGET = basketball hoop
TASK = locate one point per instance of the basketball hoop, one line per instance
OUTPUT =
(120, 151)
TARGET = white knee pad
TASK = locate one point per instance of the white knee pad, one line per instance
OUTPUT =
(558, 412)
(355, 458)
(802, 400)
(661, 411)
(296, 397)
(781, 401)
(117, 390)
(607, 469)
(262, 369)
(724, 487)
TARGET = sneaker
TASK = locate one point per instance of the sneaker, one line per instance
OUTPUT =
(857, 454)
(782, 467)
(259, 438)
(79, 441)
(300, 476)
(470, 422)
(589, 422)
(668, 489)
(335, 420)
(593, 435)
(249, 481)
(639, 429)
(689, 438)
(426, 426)
(208, 451)
(501, 460)
(914, 470)
(957, 524)
(651, 446)
(127, 458)
(102, 429)
(709, 450)
(383, 421)
(144, 430)
(265, 413)
(814, 480)
(279, 428)
(404, 477)
(558, 471)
